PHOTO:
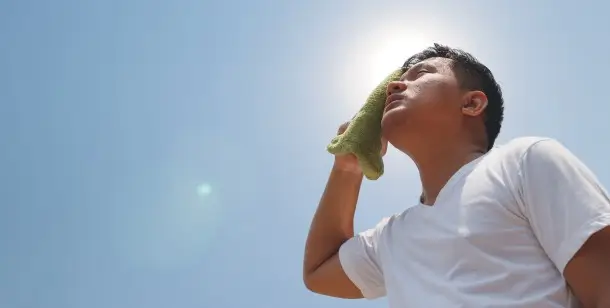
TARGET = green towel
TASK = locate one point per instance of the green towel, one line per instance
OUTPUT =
(363, 135)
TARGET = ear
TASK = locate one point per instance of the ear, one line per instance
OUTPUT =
(474, 103)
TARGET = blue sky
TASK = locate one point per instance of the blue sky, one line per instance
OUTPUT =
(171, 153)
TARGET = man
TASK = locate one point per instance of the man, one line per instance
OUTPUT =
(520, 225)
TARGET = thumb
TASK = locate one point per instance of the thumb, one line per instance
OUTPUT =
(384, 146)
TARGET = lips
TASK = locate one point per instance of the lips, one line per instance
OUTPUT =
(392, 100)
(391, 105)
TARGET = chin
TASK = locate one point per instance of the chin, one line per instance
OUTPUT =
(391, 129)
(391, 122)
(395, 128)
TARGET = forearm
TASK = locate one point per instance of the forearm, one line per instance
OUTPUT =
(333, 222)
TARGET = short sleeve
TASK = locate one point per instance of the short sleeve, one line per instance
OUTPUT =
(562, 199)
(360, 262)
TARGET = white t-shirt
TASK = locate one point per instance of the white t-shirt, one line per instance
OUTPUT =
(499, 234)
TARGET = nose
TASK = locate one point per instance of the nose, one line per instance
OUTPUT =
(396, 87)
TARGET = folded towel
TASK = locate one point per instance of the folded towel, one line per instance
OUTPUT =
(363, 135)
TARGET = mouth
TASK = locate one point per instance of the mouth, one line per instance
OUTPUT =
(393, 100)
(391, 105)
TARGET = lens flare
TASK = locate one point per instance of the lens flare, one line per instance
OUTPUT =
(204, 190)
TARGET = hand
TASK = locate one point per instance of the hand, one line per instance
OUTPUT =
(349, 162)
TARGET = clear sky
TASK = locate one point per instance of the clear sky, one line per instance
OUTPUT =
(171, 153)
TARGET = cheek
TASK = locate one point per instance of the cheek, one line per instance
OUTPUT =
(428, 101)
(433, 93)
(435, 101)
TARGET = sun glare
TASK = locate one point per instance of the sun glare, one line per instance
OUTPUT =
(370, 59)
(392, 53)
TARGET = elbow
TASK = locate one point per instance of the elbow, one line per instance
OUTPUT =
(307, 281)
(308, 285)
(312, 283)
(310, 276)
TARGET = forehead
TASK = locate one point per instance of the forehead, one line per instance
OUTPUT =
(441, 64)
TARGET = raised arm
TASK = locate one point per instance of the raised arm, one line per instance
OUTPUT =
(332, 226)
(332, 230)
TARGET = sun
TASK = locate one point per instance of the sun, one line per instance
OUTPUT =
(392, 53)
(371, 56)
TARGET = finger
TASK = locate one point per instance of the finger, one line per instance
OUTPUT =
(384, 142)
(342, 128)
(384, 145)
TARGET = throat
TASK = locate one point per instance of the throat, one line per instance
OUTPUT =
(436, 173)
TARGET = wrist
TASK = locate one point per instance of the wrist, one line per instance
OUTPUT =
(347, 169)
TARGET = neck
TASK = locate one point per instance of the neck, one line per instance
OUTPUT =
(437, 164)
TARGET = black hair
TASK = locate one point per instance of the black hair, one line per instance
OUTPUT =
(472, 75)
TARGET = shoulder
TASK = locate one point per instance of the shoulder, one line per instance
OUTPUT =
(522, 145)
(389, 221)
(382, 229)
(541, 162)
(508, 162)
(508, 155)
(523, 150)
(539, 153)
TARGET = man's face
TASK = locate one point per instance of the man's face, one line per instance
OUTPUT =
(425, 103)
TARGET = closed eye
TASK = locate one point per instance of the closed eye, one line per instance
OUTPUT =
(421, 72)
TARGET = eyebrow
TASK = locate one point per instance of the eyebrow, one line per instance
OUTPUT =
(415, 66)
